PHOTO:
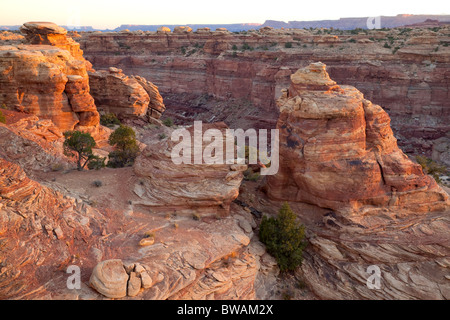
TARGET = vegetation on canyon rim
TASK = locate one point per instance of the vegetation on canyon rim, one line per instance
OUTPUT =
(80, 144)
(431, 167)
(2, 117)
(126, 147)
(109, 120)
(284, 238)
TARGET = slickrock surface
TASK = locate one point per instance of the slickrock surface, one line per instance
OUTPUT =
(184, 187)
(338, 151)
(44, 232)
(41, 231)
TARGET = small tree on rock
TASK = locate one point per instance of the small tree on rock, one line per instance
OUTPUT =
(79, 144)
(284, 238)
(126, 147)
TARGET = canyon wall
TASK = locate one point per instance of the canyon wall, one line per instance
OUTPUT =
(404, 70)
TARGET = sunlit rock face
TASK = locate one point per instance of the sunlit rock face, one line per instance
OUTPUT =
(47, 77)
(337, 150)
(125, 96)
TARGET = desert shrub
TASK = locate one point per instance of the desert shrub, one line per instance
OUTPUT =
(234, 47)
(79, 144)
(246, 46)
(162, 136)
(284, 238)
(431, 167)
(2, 117)
(249, 175)
(97, 183)
(109, 120)
(126, 147)
(168, 122)
(288, 45)
(96, 163)
(386, 45)
(57, 167)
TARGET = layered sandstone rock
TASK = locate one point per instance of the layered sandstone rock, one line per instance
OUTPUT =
(337, 151)
(127, 97)
(115, 92)
(48, 78)
(204, 189)
(156, 105)
(48, 33)
(40, 231)
(408, 79)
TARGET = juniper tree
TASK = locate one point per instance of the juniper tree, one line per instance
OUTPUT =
(126, 147)
(79, 144)
(284, 238)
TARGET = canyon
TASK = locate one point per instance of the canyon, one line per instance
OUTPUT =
(236, 77)
(158, 230)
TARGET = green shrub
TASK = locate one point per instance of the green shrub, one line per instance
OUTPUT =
(162, 136)
(386, 45)
(288, 45)
(249, 175)
(431, 167)
(109, 120)
(79, 144)
(96, 163)
(126, 147)
(234, 47)
(246, 46)
(97, 183)
(284, 238)
(168, 122)
(2, 117)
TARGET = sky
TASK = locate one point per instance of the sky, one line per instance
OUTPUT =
(113, 13)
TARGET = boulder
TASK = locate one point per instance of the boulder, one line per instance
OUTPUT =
(110, 279)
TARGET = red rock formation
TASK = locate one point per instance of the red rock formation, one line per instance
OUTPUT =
(206, 189)
(48, 78)
(115, 92)
(47, 33)
(127, 97)
(156, 105)
(408, 79)
(338, 151)
(40, 231)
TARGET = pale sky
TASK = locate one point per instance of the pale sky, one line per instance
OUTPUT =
(112, 13)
